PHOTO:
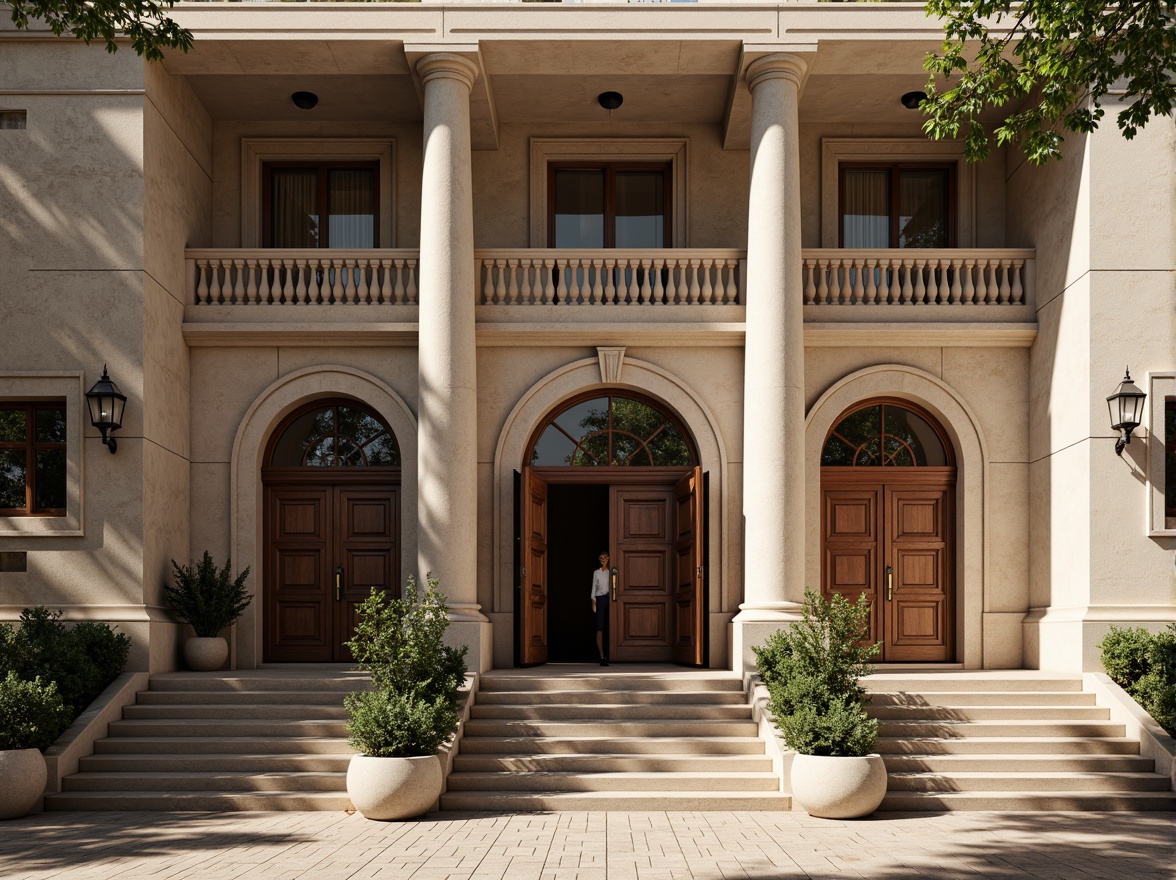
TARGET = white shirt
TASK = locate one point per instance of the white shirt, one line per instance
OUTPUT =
(599, 583)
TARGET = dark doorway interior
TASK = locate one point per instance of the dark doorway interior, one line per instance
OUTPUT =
(577, 531)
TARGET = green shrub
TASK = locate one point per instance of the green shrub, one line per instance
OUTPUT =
(1144, 664)
(32, 714)
(81, 660)
(207, 598)
(811, 671)
(401, 642)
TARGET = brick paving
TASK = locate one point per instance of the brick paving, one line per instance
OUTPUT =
(588, 846)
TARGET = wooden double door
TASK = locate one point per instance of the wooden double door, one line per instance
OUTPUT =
(330, 538)
(890, 536)
(656, 530)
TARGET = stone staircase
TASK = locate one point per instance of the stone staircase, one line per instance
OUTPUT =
(635, 738)
(1006, 741)
(268, 739)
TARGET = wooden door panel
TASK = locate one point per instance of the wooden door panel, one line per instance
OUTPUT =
(643, 548)
(533, 588)
(688, 584)
(851, 527)
(298, 619)
(919, 614)
(367, 548)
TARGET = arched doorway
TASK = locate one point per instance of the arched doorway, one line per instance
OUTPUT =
(331, 480)
(888, 481)
(612, 471)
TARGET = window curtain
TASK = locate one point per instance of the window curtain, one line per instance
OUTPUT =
(579, 209)
(294, 208)
(352, 201)
(866, 209)
(922, 218)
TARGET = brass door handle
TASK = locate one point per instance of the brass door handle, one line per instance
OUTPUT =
(614, 584)
(889, 583)
(338, 582)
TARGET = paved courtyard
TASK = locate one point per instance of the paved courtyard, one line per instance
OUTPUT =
(588, 846)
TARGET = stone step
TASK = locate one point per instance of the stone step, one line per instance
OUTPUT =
(213, 745)
(228, 728)
(988, 713)
(983, 698)
(500, 681)
(580, 729)
(676, 801)
(204, 801)
(664, 782)
(676, 697)
(612, 712)
(250, 698)
(1040, 782)
(1021, 729)
(914, 801)
(242, 712)
(1019, 763)
(626, 745)
(614, 763)
(217, 761)
(933, 683)
(209, 780)
(243, 681)
(1010, 745)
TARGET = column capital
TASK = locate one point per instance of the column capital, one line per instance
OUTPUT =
(776, 66)
(447, 65)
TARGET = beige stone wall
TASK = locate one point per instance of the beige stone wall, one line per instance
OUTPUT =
(1105, 299)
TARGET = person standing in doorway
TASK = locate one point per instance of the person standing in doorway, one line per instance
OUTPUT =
(600, 604)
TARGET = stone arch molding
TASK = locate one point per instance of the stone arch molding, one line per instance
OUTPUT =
(258, 424)
(566, 382)
(963, 430)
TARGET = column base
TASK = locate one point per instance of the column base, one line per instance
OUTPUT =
(478, 636)
(753, 625)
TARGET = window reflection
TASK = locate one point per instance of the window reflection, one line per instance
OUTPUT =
(612, 431)
(336, 436)
(884, 435)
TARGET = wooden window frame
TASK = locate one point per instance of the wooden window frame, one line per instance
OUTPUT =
(894, 169)
(31, 446)
(323, 168)
(610, 170)
(271, 446)
(900, 403)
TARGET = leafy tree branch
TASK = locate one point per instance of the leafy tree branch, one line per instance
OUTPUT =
(144, 22)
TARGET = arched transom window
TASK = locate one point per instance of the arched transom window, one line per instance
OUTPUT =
(609, 431)
(339, 435)
(884, 435)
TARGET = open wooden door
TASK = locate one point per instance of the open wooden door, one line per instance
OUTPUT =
(689, 598)
(532, 609)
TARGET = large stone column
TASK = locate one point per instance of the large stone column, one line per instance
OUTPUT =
(447, 493)
(773, 383)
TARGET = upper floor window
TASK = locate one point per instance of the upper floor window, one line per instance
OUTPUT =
(320, 205)
(1170, 463)
(32, 458)
(897, 206)
(609, 205)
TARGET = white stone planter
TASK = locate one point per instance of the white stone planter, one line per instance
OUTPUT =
(22, 781)
(393, 788)
(838, 788)
(206, 653)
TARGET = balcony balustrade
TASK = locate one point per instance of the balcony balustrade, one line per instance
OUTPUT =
(900, 279)
(838, 284)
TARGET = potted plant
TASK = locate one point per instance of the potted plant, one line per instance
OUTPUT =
(32, 714)
(399, 724)
(210, 600)
(811, 671)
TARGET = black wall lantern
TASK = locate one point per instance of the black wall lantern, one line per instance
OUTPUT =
(1126, 408)
(106, 404)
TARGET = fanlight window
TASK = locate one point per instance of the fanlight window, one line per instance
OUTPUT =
(606, 431)
(886, 435)
(336, 436)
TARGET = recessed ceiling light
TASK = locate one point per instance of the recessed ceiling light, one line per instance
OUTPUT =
(610, 100)
(304, 100)
(912, 100)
